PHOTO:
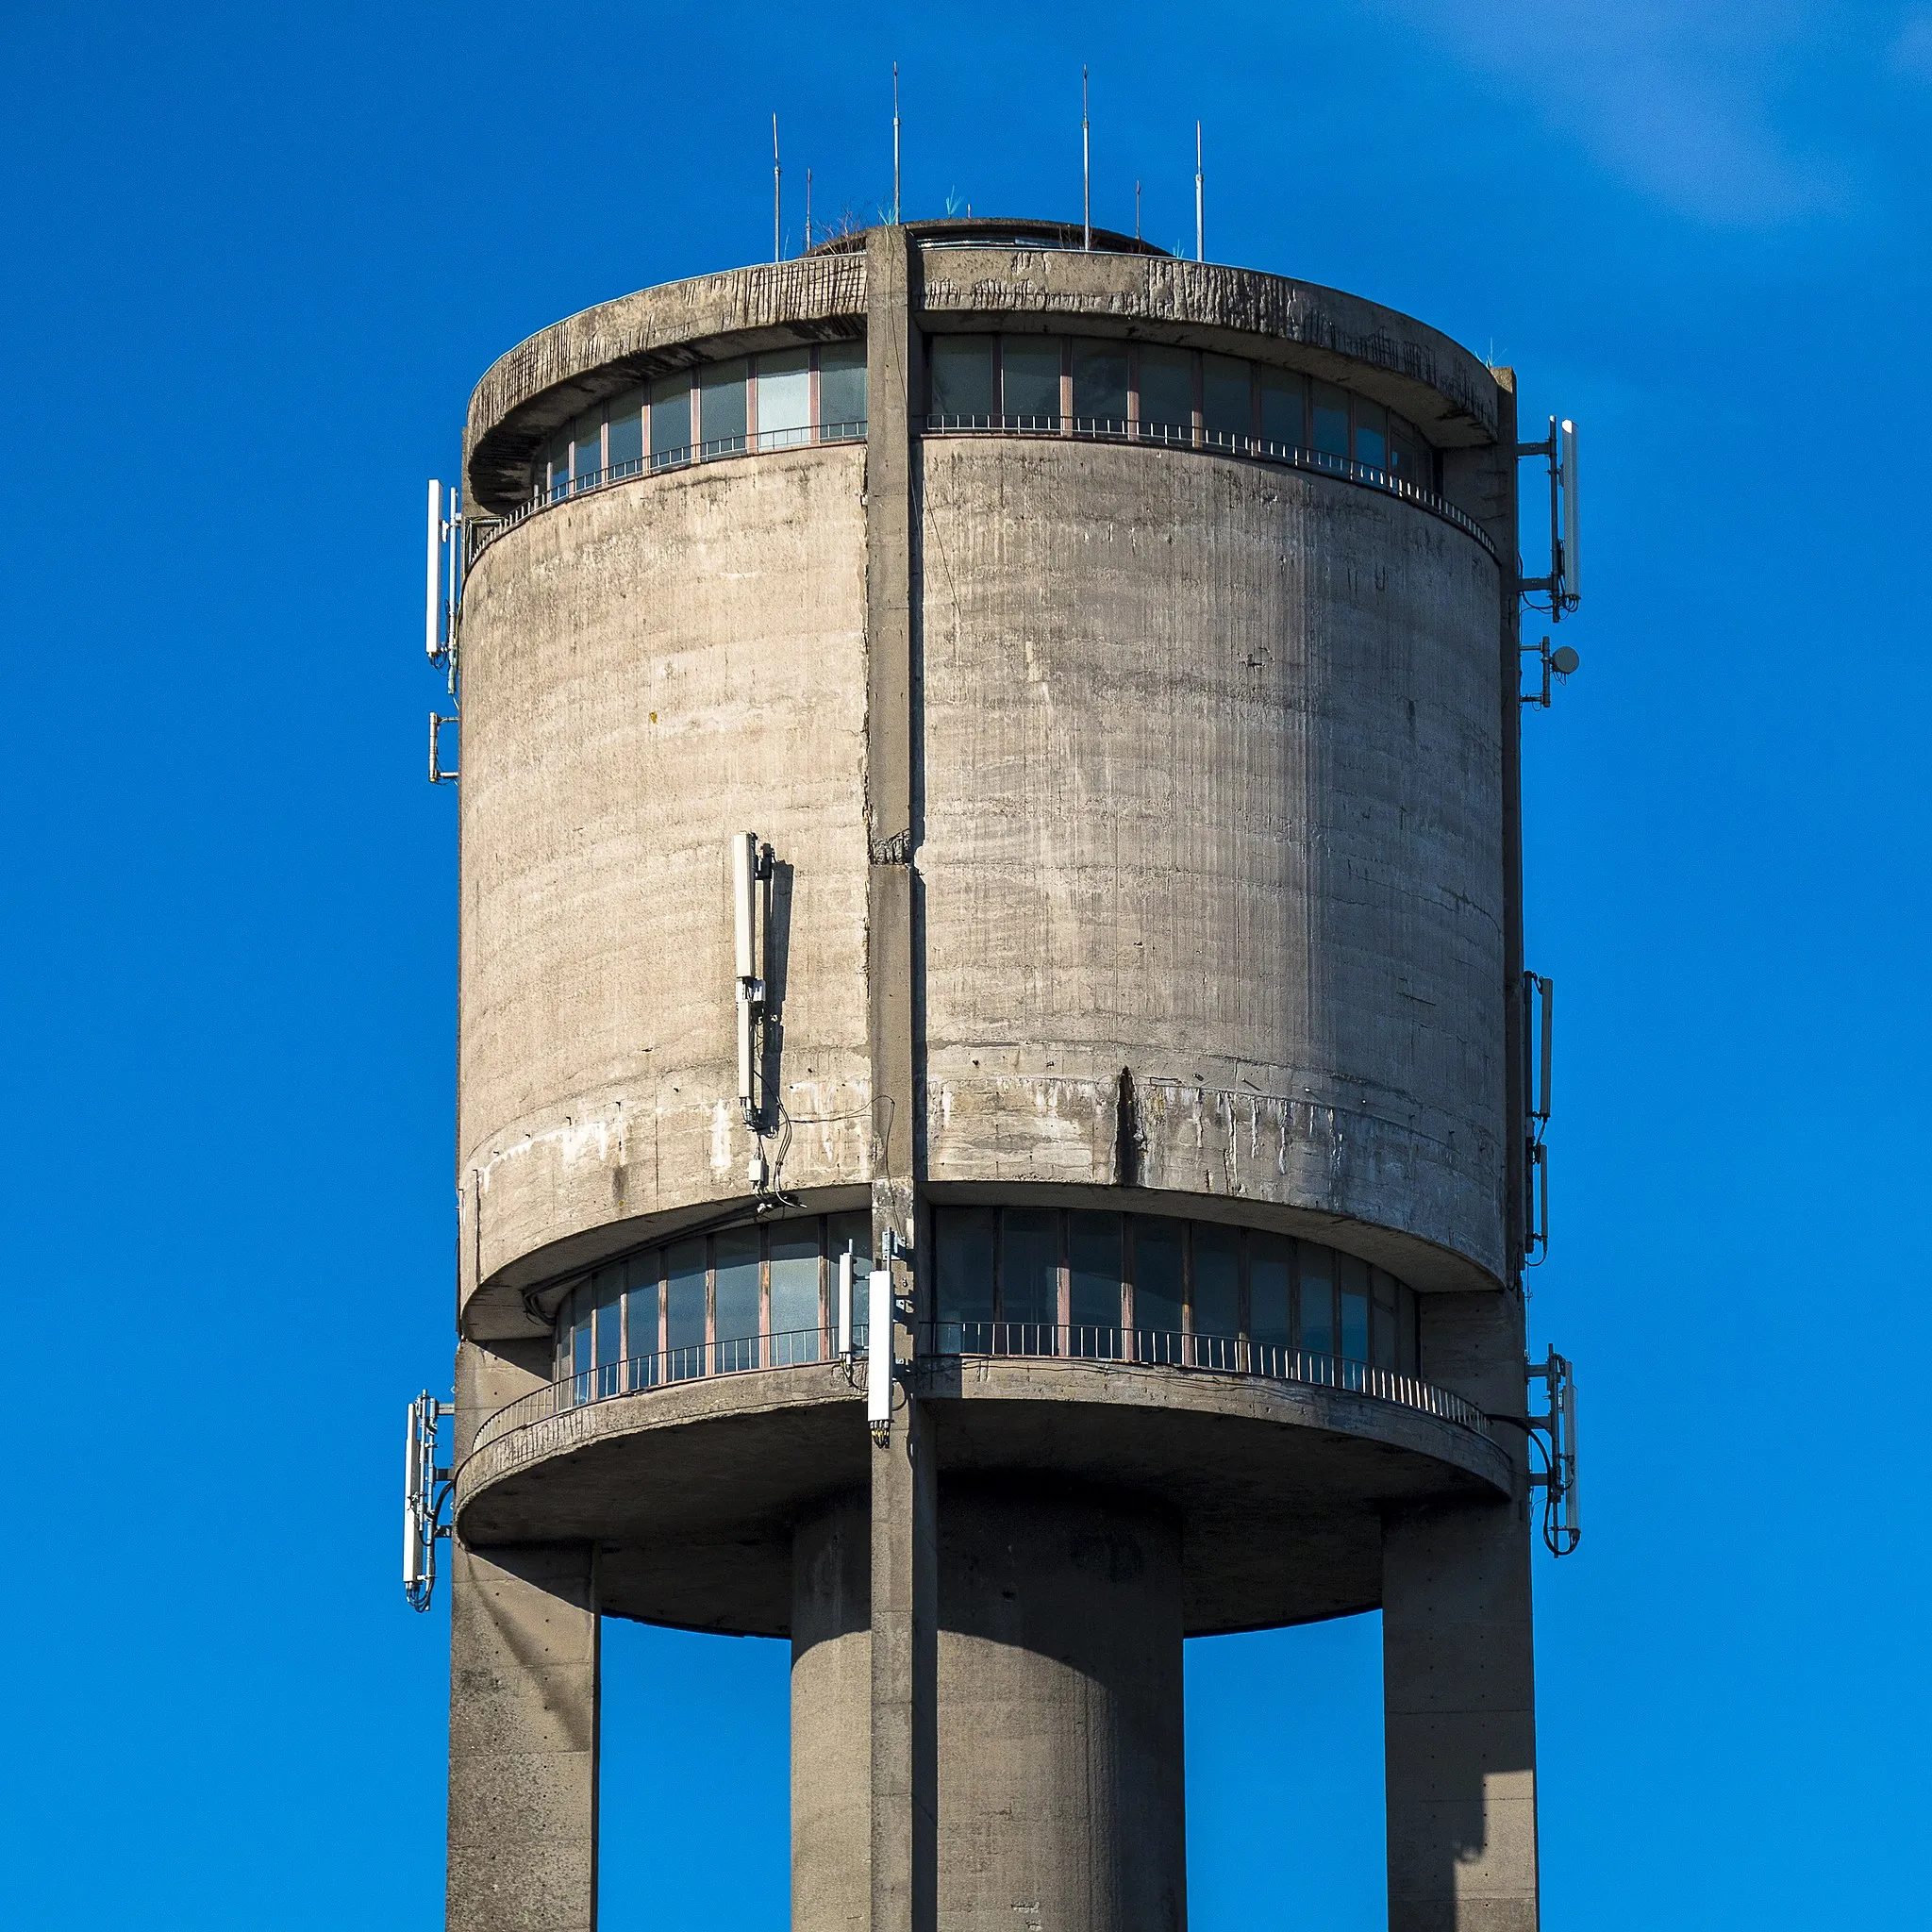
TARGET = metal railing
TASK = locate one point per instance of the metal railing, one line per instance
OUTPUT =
(681, 457)
(1224, 1354)
(729, 1355)
(1217, 442)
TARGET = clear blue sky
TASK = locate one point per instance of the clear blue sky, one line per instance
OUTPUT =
(254, 262)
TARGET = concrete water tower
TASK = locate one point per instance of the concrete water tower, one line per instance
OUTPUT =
(995, 758)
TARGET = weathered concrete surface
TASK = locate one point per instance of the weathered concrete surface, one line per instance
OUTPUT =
(646, 672)
(1459, 1667)
(1061, 1756)
(1270, 884)
(1077, 758)
(1213, 793)
(523, 1729)
(831, 1720)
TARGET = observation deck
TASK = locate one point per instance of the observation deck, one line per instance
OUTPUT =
(688, 1467)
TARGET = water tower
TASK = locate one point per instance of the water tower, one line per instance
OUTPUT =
(1000, 1103)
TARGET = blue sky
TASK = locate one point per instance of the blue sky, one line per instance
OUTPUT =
(257, 259)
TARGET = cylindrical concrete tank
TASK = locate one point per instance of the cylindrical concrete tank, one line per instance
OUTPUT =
(1211, 784)
(1114, 657)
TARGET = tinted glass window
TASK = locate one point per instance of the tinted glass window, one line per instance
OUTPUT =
(670, 418)
(1093, 1258)
(964, 1240)
(684, 1307)
(1331, 419)
(641, 1335)
(1157, 1250)
(961, 377)
(1100, 386)
(608, 1286)
(734, 1303)
(1167, 394)
(626, 433)
(580, 1342)
(1282, 403)
(587, 437)
(1030, 380)
(854, 1229)
(720, 408)
(1382, 1336)
(1352, 1278)
(1030, 1269)
(841, 391)
(1226, 400)
(1316, 1296)
(1407, 454)
(1371, 434)
(785, 399)
(1268, 1290)
(559, 466)
(795, 1292)
(1217, 1280)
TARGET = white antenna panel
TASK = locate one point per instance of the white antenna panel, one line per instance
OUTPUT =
(432, 639)
(878, 1349)
(1573, 521)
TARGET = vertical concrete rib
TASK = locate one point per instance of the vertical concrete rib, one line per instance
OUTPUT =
(523, 1712)
(903, 1545)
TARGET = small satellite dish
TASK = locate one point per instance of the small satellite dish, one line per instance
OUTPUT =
(1563, 661)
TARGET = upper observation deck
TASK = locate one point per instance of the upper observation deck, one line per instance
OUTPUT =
(702, 1401)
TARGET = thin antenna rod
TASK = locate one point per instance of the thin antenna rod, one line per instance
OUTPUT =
(807, 210)
(1085, 174)
(896, 143)
(777, 233)
(1200, 225)
(1136, 210)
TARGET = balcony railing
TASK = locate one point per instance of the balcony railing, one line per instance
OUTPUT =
(731, 1356)
(487, 530)
(1222, 1354)
(1255, 449)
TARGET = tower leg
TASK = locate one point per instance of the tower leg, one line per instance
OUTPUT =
(1459, 1679)
(831, 1736)
(1061, 1795)
(523, 1717)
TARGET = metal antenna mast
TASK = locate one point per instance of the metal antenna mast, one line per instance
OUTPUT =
(896, 143)
(1200, 229)
(777, 233)
(1086, 172)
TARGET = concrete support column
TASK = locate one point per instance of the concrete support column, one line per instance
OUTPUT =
(523, 1720)
(831, 1732)
(1458, 1665)
(1061, 1800)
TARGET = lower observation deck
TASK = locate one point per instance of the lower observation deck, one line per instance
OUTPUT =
(688, 1467)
